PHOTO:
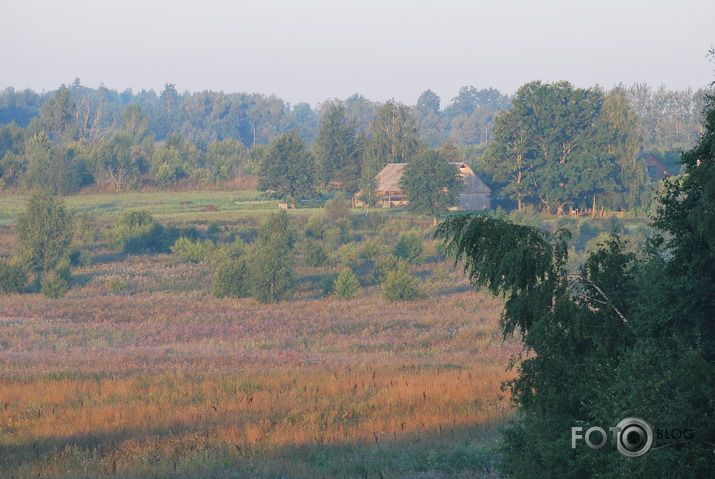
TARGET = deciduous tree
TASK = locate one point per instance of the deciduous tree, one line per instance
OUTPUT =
(287, 168)
(431, 184)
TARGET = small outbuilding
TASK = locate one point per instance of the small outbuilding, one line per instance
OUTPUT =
(474, 197)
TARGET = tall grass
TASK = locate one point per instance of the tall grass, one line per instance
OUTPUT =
(140, 372)
(136, 384)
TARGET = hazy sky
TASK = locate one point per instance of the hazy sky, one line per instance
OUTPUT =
(313, 50)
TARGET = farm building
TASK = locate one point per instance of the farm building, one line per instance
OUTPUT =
(475, 195)
(654, 167)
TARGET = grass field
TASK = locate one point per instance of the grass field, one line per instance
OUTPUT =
(140, 372)
(203, 205)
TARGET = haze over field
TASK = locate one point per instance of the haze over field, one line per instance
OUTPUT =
(315, 50)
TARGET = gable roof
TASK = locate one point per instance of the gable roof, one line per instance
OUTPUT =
(390, 176)
(388, 179)
(655, 168)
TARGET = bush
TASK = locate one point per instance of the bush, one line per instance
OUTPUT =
(613, 225)
(213, 229)
(337, 208)
(370, 249)
(400, 285)
(383, 266)
(349, 255)
(138, 232)
(64, 270)
(346, 286)
(116, 285)
(524, 217)
(409, 247)
(232, 279)
(54, 285)
(193, 251)
(315, 228)
(13, 277)
(327, 284)
(314, 254)
(226, 252)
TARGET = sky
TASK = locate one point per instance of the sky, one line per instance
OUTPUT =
(316, 50)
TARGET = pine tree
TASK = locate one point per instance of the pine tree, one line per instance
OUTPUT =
(45, 231)
(346, 286)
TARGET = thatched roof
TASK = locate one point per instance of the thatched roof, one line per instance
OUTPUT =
(388, 180)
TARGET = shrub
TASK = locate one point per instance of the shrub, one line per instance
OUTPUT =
(524, 217)
(54, 285)
(370, 249)
(226, 252)
(400, 285)
(337, 208)
(336, 236)
(346, 286)
(13, 277)
(232, 279)
(314, 254)
(315, 228)
(327, 284)
(64, 270)
(213, 229)
(78, 257)
(116, 285)
(613, 225)
(349, 255)
(409, 247)
(138, 232)
(383, 266)
(193, 251)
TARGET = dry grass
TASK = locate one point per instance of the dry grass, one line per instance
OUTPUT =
(134, 384)
(140, 372)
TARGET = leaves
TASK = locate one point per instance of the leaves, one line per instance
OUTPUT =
(431, 184)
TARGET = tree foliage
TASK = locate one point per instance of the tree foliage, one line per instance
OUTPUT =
(45, 231)
(272, 261)
(431, 184)
(394, 137)
(400, 285)
(346, 285)
(232, 279)
(409, 248)
(13, 276)
(138, 232)
(287, 168)
(337, 150)
(621, 336)
(561, 145)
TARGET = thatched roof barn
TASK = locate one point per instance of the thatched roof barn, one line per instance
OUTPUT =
(475, 195)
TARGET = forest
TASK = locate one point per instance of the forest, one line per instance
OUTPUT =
(78, 137)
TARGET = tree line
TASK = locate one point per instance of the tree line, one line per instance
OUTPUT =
(77, 136)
